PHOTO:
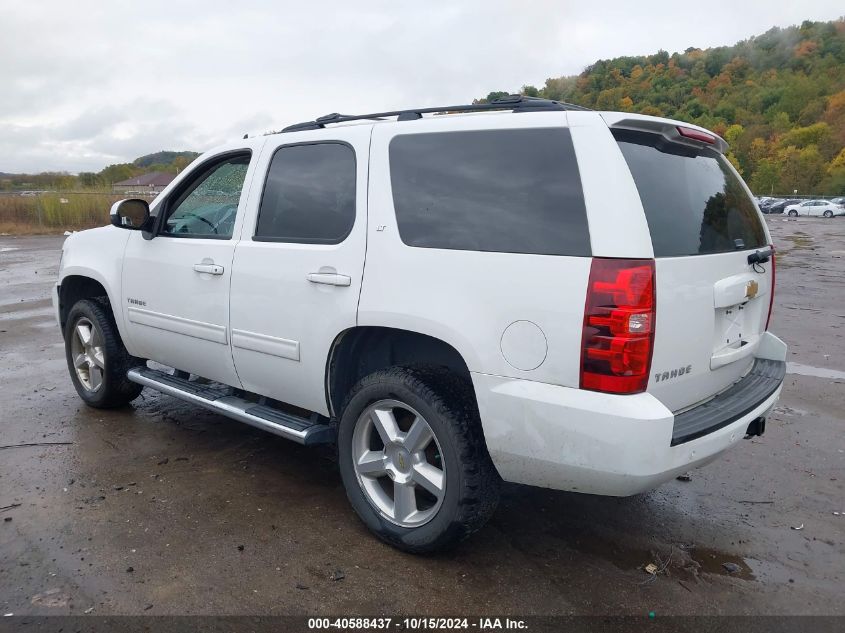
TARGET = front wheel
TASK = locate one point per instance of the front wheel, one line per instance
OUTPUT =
(96, 357)
(828, 214)
(793, 213)
(413, 459)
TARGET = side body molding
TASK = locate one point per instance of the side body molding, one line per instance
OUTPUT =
(179, 325)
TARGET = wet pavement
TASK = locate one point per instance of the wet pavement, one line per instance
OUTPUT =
(163, 508)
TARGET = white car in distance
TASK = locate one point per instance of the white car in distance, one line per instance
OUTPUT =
(820, 208)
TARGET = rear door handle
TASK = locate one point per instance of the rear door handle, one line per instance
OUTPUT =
(211, 269)
(331, 279)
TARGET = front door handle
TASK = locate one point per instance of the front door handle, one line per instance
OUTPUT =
(331, 279)
(211, 269)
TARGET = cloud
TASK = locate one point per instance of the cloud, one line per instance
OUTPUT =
(98, 136)
(89, 83)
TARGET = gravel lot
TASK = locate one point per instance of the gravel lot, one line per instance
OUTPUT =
(162, 508)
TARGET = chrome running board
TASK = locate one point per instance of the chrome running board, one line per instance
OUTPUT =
(220, 399)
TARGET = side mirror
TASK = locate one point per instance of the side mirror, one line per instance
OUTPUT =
(132, 214)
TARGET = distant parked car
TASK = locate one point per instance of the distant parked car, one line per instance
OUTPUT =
(839, 201)
(765, 204)
(824, 208)
(780, 205)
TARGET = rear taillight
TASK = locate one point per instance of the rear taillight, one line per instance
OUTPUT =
(618, 335)
(771, 291)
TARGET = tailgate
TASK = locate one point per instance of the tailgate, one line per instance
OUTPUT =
(711, 312)
(712, 304)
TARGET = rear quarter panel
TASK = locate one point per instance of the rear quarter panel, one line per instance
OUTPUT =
(468, 298)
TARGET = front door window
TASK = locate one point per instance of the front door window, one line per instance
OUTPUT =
(209, 205)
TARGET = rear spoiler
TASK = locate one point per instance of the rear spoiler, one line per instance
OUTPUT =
(673, 131)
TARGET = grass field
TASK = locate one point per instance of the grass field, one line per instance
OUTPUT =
(54, 212)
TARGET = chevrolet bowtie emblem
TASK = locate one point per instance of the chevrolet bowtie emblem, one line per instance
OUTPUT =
(751, 289)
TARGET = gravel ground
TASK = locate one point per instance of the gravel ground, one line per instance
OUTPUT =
(162, 508)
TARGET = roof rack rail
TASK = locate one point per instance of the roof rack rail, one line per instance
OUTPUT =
(516, 103)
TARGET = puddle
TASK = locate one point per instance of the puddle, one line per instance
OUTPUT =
(711, 562)
(800, 239)
(6, 249)
(800, 242)
(817, 372)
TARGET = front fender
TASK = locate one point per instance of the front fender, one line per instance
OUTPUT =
(98, 255)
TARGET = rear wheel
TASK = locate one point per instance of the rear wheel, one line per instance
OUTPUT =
(96, 357)
(793, 213)
(413, 459)
(828, 214)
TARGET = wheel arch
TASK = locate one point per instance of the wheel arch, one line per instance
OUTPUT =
(78, 285)
(359, 351)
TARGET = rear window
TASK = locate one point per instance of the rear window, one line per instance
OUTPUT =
(694, 202)
(510, 191)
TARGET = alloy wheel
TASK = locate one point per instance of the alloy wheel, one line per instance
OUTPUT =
(88, 354)
(398, 463)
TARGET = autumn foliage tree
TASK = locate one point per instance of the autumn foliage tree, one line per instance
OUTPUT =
(777, 98)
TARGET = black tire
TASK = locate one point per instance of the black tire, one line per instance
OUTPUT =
(116, 389)
(828, 214)
(447, 403)
(793, 213)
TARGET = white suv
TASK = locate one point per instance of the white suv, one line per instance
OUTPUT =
(523, 291)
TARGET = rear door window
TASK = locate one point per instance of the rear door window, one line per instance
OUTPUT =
(309, 195)
(510, 191)
(694, 202)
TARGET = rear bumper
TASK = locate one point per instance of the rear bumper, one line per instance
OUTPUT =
(569, 439)
(765, 377)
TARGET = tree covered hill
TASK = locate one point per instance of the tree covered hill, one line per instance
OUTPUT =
(164, 159)
(777, 98)
(167, 161)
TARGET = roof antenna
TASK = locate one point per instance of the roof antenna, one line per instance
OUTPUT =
(246, 135)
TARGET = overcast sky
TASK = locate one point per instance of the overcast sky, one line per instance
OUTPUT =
(86, 84)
